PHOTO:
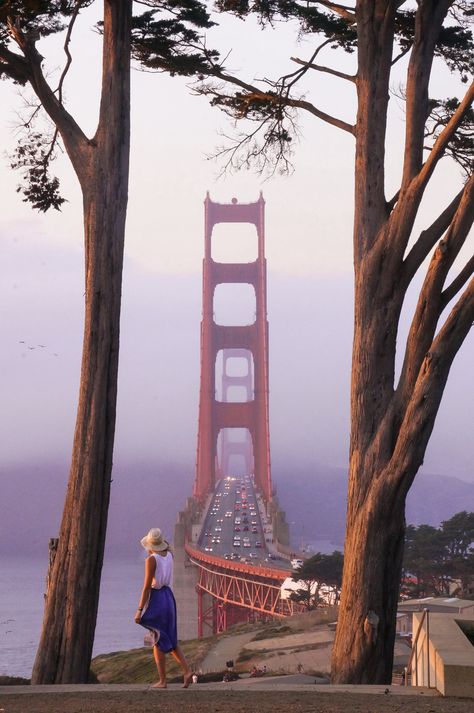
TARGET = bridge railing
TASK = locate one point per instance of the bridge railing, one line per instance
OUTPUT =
(239, 584)
(247, 568)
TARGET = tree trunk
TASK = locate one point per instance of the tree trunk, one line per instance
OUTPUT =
(391, 426)
(366, 624)
(363, 647)
(67, 637)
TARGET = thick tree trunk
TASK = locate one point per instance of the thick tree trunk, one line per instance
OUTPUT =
(65, 647)
(366, 623)
(363, 647)
(390, 427)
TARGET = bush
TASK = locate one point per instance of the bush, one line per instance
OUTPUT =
(14, 681)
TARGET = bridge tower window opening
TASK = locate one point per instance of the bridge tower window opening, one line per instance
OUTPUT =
(234, 376)
(236, 394)
(235, 303)
(234, 243)
(235, 451)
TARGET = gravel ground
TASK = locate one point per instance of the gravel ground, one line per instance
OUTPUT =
(200, 700)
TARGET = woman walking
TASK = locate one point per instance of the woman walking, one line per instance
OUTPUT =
(157, 607)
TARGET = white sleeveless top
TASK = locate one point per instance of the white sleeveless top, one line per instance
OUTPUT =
(164, 571)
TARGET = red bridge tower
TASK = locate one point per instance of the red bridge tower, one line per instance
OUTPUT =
(250, 343)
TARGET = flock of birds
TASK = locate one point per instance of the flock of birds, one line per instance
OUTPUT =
(42, 346)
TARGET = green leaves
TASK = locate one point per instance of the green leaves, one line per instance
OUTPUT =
(437, 556)
(168, 39)
(319, 573)
(38, 18)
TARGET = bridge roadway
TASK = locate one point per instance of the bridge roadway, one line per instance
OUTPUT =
(236, 528)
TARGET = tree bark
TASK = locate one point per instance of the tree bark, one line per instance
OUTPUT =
(65, 648)
(390, 427)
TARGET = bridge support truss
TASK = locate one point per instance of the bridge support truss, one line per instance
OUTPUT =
(238, 592)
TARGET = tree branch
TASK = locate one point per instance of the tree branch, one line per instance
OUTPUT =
(74, 139)
(420, 181)
(425, 398)
(428, 23)
(393, 201)
(348, 13)
(430, 305)
(255, 92)
(428, 239)
(401, 55)
(66, 49)
(299, 72)
(17, 66)
(456, 327)
(327, 70)
(458, 283)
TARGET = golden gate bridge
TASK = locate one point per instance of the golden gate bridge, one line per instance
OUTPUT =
(232, 551)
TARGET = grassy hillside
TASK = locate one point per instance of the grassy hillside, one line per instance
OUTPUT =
(287, 640)
(138, 666)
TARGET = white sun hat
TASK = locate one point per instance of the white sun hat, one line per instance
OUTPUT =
(154, 541)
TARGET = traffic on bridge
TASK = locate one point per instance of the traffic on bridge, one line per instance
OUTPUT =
(236, 526)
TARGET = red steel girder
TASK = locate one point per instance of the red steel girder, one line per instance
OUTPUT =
(250, 591)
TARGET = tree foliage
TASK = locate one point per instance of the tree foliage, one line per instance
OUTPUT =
(162, 37)
(440, 561)
(321, 579)
(271, 103)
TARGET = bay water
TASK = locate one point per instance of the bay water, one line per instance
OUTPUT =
(22, 585)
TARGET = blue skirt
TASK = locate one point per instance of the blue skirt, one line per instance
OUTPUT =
(160, 617)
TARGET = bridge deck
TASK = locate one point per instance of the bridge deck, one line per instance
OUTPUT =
(236, 529)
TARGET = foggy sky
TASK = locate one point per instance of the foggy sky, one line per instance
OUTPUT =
(310, 318)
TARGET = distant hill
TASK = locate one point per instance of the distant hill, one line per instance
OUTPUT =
(316, 500)
(147, 495)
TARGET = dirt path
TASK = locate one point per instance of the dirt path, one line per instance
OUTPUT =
(227, 648)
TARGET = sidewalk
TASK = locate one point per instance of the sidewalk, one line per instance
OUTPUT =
(298, 682)
(282, 694)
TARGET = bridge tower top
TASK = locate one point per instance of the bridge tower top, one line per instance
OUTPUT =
(250, 342)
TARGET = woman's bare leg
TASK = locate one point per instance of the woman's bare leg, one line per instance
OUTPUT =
(177, 653)
(160, 660)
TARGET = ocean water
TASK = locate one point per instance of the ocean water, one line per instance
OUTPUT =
(21, 609)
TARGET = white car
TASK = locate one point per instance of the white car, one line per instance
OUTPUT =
(296, 563)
